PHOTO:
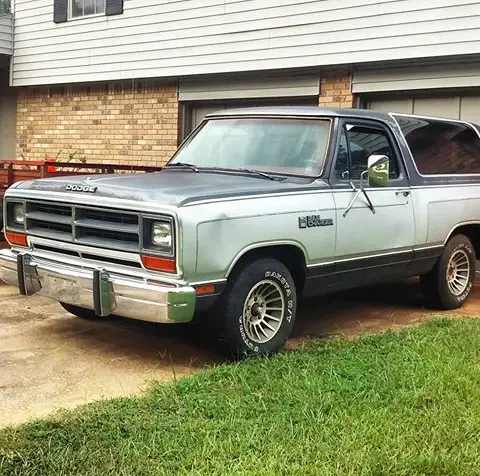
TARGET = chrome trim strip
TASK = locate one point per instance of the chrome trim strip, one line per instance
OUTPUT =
(422, 248)
(463, 184)
(264, 245)
(204, 283)
(107, 253)
(319, 265)
(458, 225)
(378, 255)
(434, 118)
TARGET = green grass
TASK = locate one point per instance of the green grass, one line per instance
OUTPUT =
(405, 403)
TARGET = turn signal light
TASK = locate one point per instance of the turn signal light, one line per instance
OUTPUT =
(18, 239)
(167, 265)
(207, 289)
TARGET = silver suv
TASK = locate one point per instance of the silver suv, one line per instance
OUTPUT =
(256, 209)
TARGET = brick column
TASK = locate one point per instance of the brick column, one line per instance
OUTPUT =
(336, 89)
(135, 124)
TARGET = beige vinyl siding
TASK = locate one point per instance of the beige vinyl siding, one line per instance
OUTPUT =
(160, 38)
(196, 111)
(464, 106)
(6, 34)
(242, 88)
(417, 76)
(8, 113)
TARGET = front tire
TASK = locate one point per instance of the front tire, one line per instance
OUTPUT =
(81, 312)
(450, 282)
(258, 308)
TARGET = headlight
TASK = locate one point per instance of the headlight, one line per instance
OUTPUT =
(162, 235)
(19, 213)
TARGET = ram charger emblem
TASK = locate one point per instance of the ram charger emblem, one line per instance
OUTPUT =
(310, 221)
(73, 187)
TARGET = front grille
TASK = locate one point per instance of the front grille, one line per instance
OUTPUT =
(102, 228)
(89, 256)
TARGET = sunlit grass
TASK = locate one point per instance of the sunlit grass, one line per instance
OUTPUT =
(405, 403)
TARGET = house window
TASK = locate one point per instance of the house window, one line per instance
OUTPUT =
(81, 8)
(63, 10)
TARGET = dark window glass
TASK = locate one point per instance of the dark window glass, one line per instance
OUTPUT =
(99, 6)
(77, 8)
(357, 144)
(441, 147)
(89, 7)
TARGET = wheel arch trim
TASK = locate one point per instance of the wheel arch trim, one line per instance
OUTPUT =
(457, 226)
(265, 244)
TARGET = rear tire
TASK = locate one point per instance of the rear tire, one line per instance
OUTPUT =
(81, 312)
(258, 308)
(450, 282)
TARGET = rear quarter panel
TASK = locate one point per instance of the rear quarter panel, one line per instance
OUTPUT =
(440, 208)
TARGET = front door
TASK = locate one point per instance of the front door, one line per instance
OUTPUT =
(370, 247)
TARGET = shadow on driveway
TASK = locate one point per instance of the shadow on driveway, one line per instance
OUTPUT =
(51, 359)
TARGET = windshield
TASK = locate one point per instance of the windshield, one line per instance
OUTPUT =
(283, 146)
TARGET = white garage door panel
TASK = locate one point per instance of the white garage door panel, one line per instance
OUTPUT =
(198, 112)
(438, 107)
(471, 109)
(404, 106)
(466, 108)
(241, 88)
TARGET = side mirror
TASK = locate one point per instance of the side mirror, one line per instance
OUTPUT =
(378, 170)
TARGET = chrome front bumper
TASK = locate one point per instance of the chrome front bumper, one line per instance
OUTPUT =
(97, 289)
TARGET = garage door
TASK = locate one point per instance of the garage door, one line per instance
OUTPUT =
(455, 106)
(203, 96)
(198, 111)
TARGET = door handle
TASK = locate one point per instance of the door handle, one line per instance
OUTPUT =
(405, 193)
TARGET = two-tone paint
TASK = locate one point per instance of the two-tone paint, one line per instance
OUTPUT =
(220, 217)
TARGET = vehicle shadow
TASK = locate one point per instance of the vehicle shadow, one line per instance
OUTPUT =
(193, 346)
(352, 312)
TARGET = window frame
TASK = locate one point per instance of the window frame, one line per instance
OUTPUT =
(431, 118)
(70, 16)
(402, 179)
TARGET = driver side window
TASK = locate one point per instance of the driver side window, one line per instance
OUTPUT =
(357, 144)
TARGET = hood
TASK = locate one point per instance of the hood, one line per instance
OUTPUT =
(169, 187)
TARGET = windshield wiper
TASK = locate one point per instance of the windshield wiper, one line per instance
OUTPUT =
(259, 174)
(184, 164)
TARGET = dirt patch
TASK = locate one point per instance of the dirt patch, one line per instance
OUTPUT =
(50, 359)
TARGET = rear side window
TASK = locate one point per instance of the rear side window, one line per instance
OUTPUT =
(441, 147)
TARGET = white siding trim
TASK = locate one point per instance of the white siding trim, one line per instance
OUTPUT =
(6, 34)
(250, 88)
(417, 77)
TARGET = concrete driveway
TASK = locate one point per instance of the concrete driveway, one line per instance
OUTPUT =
(50, 359)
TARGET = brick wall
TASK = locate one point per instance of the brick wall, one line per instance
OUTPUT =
(134, 123)
(336, 89)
